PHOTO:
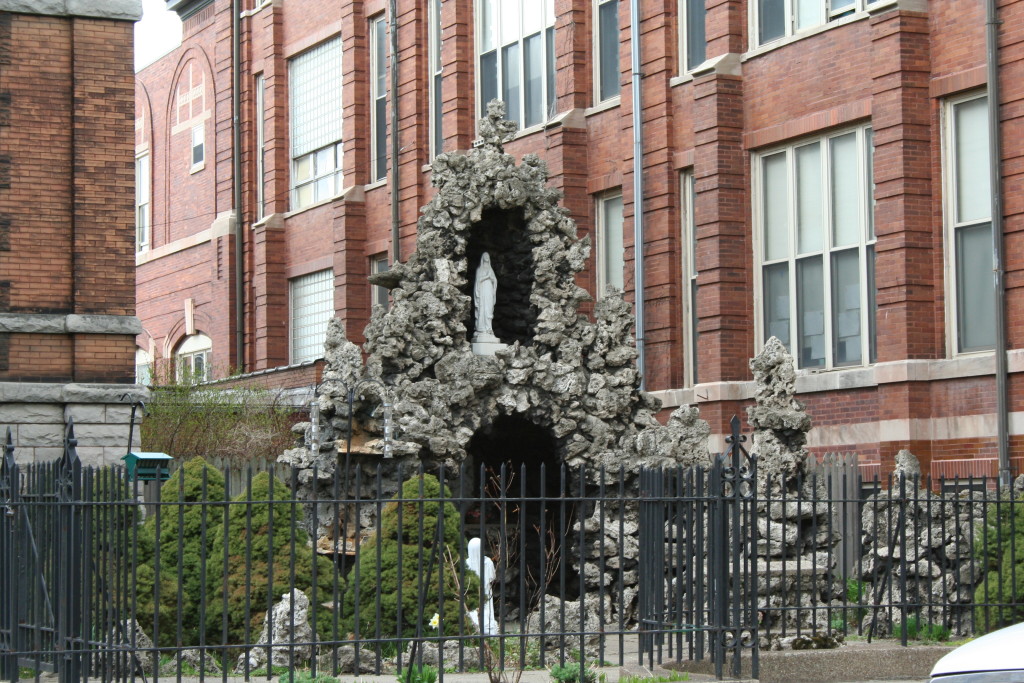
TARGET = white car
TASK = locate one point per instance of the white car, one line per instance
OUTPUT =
(994, 658)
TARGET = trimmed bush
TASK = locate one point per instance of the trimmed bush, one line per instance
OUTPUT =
(182, 530)
(425, 566)
(1000, 549)
(263, 532)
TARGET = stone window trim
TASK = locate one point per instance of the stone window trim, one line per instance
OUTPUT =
(688, 239)
(192, 358)
(814, 275)
(73, 323)
(311, 306)
(143, 204)
(509, 53)
(314, 82)
(607, 79)
(756, 48)
(378, 77)
(198, 147)
(692, 35)
(970, 308)
(609, 241)
(436, 71)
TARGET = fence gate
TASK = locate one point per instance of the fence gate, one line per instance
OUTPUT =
(64, 567)
(698, 579)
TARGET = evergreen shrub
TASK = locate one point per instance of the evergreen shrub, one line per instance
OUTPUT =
(183, 527)
(999, 598)
(425, 565)
(263, 532)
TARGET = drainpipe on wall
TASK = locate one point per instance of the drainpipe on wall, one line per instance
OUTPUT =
(995, 155)
(396, 247)
(236, 180)
(638, 185)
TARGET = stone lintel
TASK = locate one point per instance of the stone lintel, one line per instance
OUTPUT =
(123, 10)
(54, 392)
(729, 64)
(876, 8)
(48, 323)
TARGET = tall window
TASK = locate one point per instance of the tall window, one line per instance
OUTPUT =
(192, 359)
(816, 252)
(379, 264)
(312, 305)
(780, 18)
(198, 146)
(142, 184)
(694, 48)
(689, 240)
(261, 143)
(315, 92)
(436, 97)
(143, 367)
(611, 254)
(378, 98)
(606, 49)
(517, 58)
(969, 217)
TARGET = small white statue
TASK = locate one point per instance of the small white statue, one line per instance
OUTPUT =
(473, 563)
(484, 291)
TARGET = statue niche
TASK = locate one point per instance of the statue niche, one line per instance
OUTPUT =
(501, 235)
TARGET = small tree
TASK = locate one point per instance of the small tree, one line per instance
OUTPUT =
(181, 555)
(409, 594)
(261, 537)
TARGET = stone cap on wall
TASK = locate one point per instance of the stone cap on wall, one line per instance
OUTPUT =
(124, 10)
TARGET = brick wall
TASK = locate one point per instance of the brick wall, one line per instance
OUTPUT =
(890, 68)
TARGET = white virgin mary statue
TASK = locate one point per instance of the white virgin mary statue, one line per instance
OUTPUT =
(482, 566)
(485, 290)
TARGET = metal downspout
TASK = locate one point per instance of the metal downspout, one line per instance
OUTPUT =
(236, 181)
(396, 247)
(638, 185)
(998, 268)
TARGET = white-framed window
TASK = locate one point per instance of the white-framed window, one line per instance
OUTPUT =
(311, 298)
(261, 143)
(606, 49)
(314, 80)
(142, 190)
(693, 37)
(780, 18)
(815, 235)
(192, 359)
(380, 264)
(611, 252)
(198, 146)
(688, 198)
(436, 72)
(516, 58)
(969, 222)
(143, 367)
(378, 98)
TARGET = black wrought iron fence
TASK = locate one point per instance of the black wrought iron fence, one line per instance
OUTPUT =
(380, 569)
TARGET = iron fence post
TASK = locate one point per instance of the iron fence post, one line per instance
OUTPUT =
(69, 614)
(9, 574)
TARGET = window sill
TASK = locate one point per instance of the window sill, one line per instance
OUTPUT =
(610, 103)
(196, 168)
(375, 184)
(681, 79)
(806, 33)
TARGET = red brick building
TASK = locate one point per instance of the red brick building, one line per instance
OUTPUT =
(814, 169)
(67, 296)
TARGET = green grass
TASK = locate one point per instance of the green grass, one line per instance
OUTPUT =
(673, 677)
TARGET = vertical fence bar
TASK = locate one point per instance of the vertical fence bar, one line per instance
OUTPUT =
(9, 574)
(69, 620)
